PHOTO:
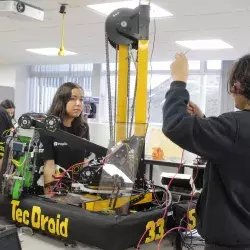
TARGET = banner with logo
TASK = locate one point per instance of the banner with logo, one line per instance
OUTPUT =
(72, 223)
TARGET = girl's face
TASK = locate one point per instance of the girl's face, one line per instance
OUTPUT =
(239, 100)
(74, 106)
(11, 112)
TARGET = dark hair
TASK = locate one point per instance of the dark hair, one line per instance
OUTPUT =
(7, 104)
(239, 78)
(58, 107)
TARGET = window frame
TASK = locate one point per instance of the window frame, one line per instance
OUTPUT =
(203, 71)
(39, 74)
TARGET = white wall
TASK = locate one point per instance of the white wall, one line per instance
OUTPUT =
(21, 91)
(16, 77)
(7, 76)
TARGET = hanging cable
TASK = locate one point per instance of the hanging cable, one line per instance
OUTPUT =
(63, 12)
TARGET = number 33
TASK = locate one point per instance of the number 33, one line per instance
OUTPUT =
(151, 227)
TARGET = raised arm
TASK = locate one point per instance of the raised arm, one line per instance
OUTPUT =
(211, 137)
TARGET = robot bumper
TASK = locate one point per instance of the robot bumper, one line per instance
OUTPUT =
(106, 202)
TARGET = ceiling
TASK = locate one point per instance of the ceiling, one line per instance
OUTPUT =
(193, 19)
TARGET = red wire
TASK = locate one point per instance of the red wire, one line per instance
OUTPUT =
(77, 164)
(66, 171)
(155, 196)
(169, 231)
(139, 243)
(166, 209)
(154, 193)
(169, 184)
(191, 198)
(192, 195)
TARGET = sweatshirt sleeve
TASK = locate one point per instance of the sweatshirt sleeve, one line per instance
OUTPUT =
(211, 138)
(5, 123)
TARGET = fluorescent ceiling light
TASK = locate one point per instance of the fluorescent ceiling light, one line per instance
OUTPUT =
(107, 8)
(214, 44)
(49, 52)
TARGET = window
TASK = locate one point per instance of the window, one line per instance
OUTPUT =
(203, 88)
(157, 86)
(194, 65)
(81, 67)
(155, 66)
(161, 83)
(49, 68)
(165, 65)
(158, 95)
(112, 67)
(214, 65)
(212, 86)
(44, 81)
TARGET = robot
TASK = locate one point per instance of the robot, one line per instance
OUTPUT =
(108, 196)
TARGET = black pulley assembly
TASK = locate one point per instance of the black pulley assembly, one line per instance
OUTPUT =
(116, 23)
(28, 120)
(125, 26)
(52, 123)
(88, 173)
(25, 122)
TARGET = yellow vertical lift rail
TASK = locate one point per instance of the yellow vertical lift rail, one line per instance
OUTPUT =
(142, 90)
(121, 115)
(125, 29)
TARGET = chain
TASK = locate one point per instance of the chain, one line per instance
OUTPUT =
(115, 102)
(134, 98)
(109, 87)
(128, 91)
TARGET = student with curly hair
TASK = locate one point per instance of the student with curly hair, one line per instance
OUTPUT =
(223, 208)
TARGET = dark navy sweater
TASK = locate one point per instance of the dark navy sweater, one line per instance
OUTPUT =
(223, 209)
(5, 122)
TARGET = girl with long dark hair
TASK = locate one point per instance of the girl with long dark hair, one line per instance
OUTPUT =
(7, 112)
(9, 106)
(68, 106)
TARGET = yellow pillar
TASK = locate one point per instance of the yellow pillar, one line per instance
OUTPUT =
(142, 90)
(122, 90)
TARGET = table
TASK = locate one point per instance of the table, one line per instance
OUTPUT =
(149, 161)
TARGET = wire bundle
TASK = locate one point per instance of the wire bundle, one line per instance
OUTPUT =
(168, 202)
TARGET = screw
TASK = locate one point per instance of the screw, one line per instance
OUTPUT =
(124, 24)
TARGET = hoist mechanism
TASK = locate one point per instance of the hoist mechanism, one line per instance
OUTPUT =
(126, 26)
(127, 30)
